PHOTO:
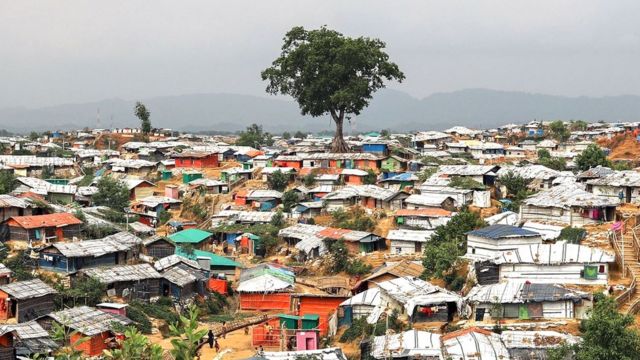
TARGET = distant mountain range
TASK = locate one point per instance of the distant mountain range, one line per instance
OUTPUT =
(390, 109)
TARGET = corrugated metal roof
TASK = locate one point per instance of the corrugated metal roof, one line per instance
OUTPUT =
(28, 289)
(566, 196)
(123, 273)
(429, 212)
(433, 200)
(410, 235)
(500, 231)
(121, 241)
(35, 161)
(400, 269)
(466, 170)
(171, 260)
(26, 330)
(618, 179)
(47, 220)
(554, 254)
(87, 320)
(182, 275)
(7, 200)
(44, 187)
(532, 171)
(263, 194)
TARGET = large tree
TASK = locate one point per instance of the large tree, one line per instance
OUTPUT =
(144, 115)
(329, 73)
(111, 193)
(591, 157)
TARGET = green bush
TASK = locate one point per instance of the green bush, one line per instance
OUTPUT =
(573, 235)
(356, 330)
(140, 320)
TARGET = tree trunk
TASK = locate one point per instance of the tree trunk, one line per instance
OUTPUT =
(338, 145)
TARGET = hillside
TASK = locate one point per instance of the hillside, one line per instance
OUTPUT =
(389, 109)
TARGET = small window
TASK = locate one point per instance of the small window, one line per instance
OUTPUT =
(473, 250)
(601, 269)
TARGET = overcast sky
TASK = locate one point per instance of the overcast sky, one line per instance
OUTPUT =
(54, 52)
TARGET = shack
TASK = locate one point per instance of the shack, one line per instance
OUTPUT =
(158, 247)
(44, 228)
(560, 263)
(408, 241)
(88, 322)
(138, 281)
(419, 300)
(490, 241)
(266, 287)
(26, 300)
(195, 237)
(524, 300)
(568, 204)
(70, 257)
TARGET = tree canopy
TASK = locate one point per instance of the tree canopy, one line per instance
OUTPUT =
(7, 182)
(255, 137)
(606, 334)
(278, 180)
(591, 157)
(448, 242)
(112, 193)
(559, 131)
(144, 115)
(329, 73)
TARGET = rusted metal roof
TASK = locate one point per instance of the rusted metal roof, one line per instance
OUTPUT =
(48, 220)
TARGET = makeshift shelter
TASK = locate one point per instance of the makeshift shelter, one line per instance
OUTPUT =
(158, 247)
(490, 241)
(408, 241)
(11, 206)
(560, 263)
(91, 323)
(389, 272)
(320, 305)
(410, 344)
(25, 300)
(29, 338)
(568, 205)
(196, 237)
(535, 344)
(427, 219)
(44, 228)
(73, 256)
(524, 300)
(420, 300)
(359, 306)
(473, 343)
(218, 265)
(266, 287)
(139, 281)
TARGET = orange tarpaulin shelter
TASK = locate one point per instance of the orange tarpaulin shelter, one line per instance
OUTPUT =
(218, 285)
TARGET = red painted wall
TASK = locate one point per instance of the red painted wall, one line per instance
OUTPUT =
(321, 306)
(265, 302)
(209, 161)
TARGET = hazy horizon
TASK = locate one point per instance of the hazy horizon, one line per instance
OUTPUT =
(71, 52)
